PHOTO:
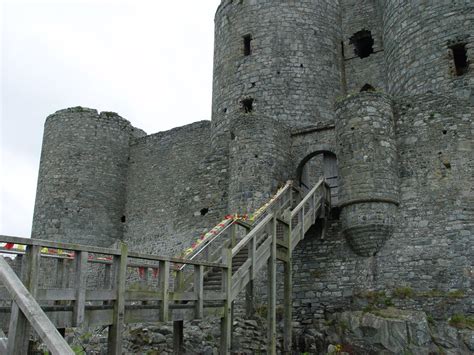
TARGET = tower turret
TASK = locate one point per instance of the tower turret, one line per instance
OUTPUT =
(429, 46)
(82, 178)
(276, 58)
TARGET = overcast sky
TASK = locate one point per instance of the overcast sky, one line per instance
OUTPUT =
(148, 60)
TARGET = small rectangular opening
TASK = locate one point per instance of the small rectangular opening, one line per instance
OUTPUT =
(247, 105)
(460, 58)
(247, 45)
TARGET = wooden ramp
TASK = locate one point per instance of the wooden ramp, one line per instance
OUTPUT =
(91, 286)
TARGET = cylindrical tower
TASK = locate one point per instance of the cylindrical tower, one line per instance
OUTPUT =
(429, 46)
(81, 184)
(257, 166)
(367, 159)
(277, 58)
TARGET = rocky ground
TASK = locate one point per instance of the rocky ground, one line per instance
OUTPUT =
(379, 331)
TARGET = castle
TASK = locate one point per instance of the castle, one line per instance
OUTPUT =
(377, 96)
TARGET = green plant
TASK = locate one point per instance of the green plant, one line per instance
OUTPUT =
(460, 321)
(432, 293)
(456, 294)
(430, 319)
(403, 292)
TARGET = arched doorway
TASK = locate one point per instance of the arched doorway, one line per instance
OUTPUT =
(316, 165)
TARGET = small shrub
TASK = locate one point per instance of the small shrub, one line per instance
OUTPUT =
(403, 292)
(456, 294)
(460, 321)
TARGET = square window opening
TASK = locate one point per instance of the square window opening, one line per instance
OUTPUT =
(247, 105)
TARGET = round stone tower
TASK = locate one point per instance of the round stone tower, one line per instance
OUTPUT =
(428, 47)
(275, 58)
(81, 184)
(257, 166)
(367, 159)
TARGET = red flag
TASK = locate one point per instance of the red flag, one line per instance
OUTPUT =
(9, 246)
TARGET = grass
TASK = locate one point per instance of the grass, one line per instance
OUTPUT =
(461, 321)
(403, 292)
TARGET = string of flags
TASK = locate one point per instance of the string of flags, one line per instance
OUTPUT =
(228, 220)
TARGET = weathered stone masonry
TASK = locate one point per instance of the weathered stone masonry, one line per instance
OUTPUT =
(287, 105)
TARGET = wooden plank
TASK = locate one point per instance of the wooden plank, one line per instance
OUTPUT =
(249, 290)
(173, 260)
(199, 290)
(178, 337)
(226, 320)
(272, 294)
(31, 309)
(58, 245)
(19, 329)
(120, 274)
(80, 285)
(164, 287)
(306, 198)
(288, 298)
(253, 233)
(3, 342)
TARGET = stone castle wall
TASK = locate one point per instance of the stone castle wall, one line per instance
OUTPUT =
(172, 194)
(292, 72)
(404, 156)
(417, 37)
(83, 177)
(430, 251)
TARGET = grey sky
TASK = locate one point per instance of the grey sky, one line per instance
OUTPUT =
(150, 61)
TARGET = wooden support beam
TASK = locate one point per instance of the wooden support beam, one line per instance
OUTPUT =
(271, 338)
(199, 290)
(19, 329)
(80, 285)
(226, 321)
(250, 292)
(164, 287)
(30, 309)
(120, 275)
(288, 297)
(178, 337)
(3, 342)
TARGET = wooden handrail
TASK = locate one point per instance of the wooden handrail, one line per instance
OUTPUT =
(307, 197)
(32, 311)
(252, 233)
(58, 245)
(96, 250)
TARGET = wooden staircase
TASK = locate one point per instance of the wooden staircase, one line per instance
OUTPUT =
(205, 284)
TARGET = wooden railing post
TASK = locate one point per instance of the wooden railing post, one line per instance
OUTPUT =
(164, 287)
(288, 294)
(178, 337)
(249, 293)
(272, 292)
(19, 329)
(80, 285)
(3, 342)
(178, 325)
(199, 291)
(31, 311)
(120, 274)
(226, 321)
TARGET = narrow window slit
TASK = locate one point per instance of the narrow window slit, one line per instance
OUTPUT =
(247, 45)
(460, 58)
